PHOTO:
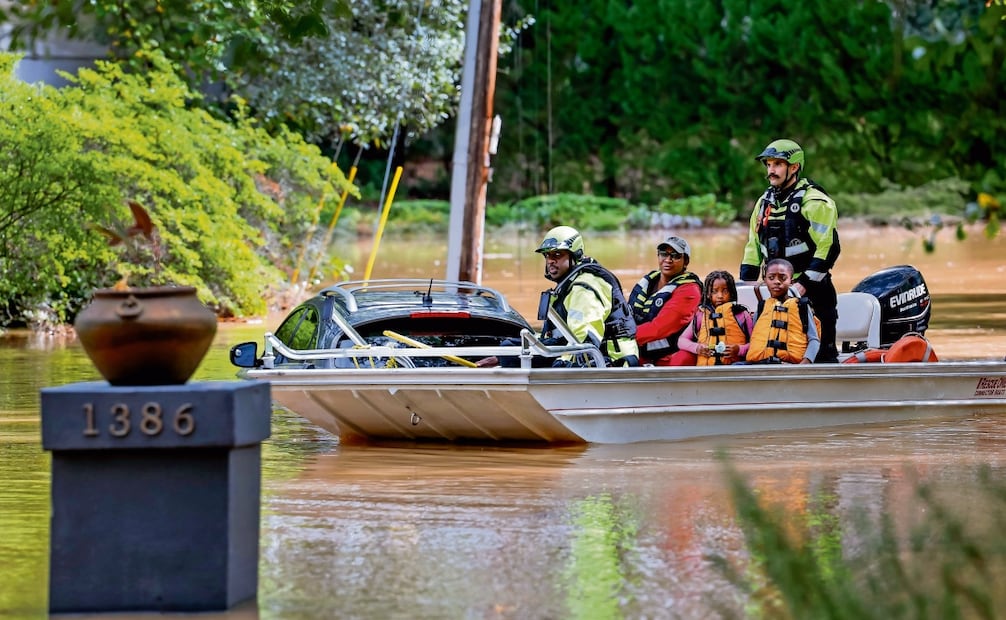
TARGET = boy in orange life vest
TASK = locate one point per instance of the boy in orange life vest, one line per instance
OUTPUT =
(721, 329)
(664, 301)
(786, 330)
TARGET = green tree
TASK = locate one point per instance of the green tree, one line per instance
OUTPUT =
(383, 64)
(206, 38)
(674, 97)
(232, 203)
(331, 69)
(48, 259)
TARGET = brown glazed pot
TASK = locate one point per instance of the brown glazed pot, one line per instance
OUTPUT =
(146, 336)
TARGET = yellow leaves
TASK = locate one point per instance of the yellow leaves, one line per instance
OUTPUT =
(988, 202)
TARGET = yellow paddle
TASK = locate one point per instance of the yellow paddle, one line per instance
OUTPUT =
(420, 345)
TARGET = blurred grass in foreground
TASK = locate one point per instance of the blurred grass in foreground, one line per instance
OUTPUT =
(948, 563)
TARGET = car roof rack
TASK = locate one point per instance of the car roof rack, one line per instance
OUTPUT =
(348, 289)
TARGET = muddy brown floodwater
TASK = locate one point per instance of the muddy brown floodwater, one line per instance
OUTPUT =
(441, 531)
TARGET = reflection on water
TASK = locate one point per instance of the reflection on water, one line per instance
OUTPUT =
(507, 532)
(602, 535)
(436, 531)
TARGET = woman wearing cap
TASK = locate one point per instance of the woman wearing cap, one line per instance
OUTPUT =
(664, 301)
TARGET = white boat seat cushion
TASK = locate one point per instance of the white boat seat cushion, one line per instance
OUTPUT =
(747, 296)
(858, 319)
(858, 315)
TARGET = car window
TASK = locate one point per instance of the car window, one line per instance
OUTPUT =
(299, 330)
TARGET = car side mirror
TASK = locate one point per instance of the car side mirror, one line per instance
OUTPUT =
(245, 355)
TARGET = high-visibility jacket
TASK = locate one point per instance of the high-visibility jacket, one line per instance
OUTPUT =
(798, 226)
(590, 300)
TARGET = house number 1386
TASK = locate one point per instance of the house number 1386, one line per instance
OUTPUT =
(150, 421)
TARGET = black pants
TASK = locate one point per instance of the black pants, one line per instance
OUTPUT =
(824, 301)
(513, 361)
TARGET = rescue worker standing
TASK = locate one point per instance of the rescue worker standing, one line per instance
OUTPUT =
(588, 298)
(664, 301)
(795, 219)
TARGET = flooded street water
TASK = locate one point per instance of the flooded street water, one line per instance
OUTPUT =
(438, 531)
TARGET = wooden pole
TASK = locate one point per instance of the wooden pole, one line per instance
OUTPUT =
(472, 230)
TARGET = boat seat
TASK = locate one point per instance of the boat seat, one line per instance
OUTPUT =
(747, 296)
(858, 320)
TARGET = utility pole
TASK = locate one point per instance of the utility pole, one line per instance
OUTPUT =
(471, 166)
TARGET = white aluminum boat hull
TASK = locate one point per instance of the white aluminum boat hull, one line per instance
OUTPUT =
(625, 405)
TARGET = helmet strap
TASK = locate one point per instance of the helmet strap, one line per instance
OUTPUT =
(799, 171)
(785, 188)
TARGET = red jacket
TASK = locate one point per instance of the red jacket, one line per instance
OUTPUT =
(661, 315)
(673, 316)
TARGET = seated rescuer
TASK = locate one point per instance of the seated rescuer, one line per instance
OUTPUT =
(664, 301)
(786, 330)
(588, 298)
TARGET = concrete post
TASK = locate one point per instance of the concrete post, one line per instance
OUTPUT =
(155, 495)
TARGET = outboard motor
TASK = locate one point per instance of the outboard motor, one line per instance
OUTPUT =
(905, 304)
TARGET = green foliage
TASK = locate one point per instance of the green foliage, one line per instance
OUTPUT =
(896, 203)
(333, 69)
(49, 260)
(385, 64)
(927, 209)
(230, 201)
(417, 216)
(206, 38)
(947, 566)
(941, 201)
(639, 218)
(499, 215)
(585, 212)
(674, 97)
(644, 101)
(705, 207)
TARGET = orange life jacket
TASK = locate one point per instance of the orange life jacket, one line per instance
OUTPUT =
(780, 331)
(716, 327)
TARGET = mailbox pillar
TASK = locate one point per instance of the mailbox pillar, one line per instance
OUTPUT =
(155, 495)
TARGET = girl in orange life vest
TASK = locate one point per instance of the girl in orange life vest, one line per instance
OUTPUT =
(786, 329)
(720, 331)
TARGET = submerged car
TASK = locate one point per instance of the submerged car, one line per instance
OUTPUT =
(359, 315)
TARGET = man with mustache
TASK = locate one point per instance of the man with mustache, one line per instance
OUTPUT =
(795, 219)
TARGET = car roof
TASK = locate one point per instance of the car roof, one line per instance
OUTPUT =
(362, 301)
